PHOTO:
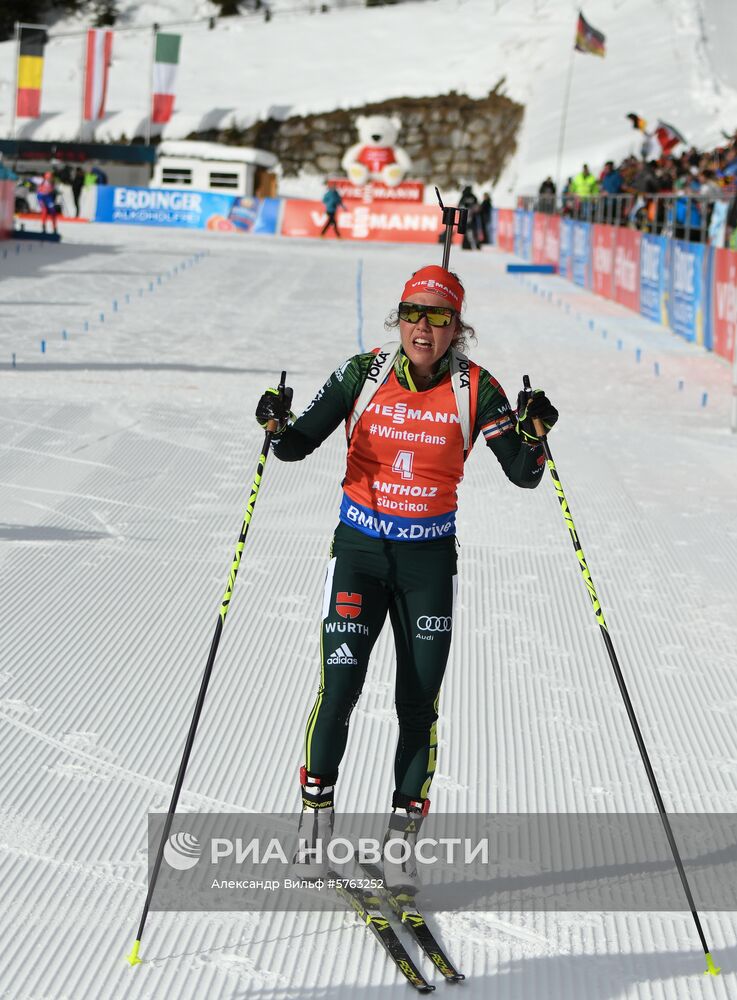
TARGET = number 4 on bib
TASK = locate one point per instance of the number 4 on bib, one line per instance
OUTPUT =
(403, 464)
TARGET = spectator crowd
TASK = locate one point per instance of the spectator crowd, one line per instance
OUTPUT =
(691, 196)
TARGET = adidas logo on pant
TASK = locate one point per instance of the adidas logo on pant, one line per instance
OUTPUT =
(342, 657)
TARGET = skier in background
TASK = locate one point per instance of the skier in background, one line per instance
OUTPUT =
(46, 194)
(412, 411)
(332, 202)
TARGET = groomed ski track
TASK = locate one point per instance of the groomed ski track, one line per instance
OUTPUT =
(127, 451)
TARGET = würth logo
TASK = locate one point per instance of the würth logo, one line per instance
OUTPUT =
(348, 605)
(342, 657)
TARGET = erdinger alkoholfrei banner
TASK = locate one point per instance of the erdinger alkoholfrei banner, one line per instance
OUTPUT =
(98, 52)
(186, 209)
(31, 44)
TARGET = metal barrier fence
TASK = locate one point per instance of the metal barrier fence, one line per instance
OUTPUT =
(685, 217)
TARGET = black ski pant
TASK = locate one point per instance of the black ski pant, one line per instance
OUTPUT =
(415, 583)
(330, 222)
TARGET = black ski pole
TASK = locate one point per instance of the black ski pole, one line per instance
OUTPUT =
(224, 605)
(711, 968)
(451, 222)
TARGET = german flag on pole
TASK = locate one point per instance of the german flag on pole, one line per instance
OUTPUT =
(30, 71)
(588, 39)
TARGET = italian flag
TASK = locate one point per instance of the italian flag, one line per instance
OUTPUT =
(166, 60)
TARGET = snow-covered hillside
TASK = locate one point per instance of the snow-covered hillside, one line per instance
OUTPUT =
(665, 58)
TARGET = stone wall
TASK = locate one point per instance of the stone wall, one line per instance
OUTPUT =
(452, 139)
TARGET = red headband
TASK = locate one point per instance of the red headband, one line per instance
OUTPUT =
(437, 280)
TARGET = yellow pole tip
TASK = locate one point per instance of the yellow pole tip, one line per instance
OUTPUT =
(711, 969)
(133, 957)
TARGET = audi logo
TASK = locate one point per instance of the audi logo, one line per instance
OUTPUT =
(428, 624)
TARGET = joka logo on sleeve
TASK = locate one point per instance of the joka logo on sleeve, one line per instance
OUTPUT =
(348, 605)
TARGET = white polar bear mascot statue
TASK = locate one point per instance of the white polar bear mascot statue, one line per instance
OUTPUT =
(376, 157)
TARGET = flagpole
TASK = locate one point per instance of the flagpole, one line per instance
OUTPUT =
(84, 86)
(564, 116)
(155, 28)
(14, 92)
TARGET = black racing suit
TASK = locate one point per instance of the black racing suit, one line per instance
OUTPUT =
(414, 581)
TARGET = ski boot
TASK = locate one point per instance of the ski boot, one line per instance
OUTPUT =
(316, 824)
(400, 877)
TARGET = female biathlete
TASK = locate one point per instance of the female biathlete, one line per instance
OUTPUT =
(412, 411)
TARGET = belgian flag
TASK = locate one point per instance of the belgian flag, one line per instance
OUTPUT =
(30, 71)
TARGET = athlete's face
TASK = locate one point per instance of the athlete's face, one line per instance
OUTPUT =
(423, 344)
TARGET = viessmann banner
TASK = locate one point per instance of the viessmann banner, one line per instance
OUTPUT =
(186, 209)
(399, 222)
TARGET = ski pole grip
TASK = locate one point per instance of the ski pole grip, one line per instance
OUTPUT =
(536, 422)
(272, 426)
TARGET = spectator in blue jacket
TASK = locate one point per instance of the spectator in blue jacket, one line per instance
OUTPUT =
(610, 184)
(688, 219)
(332, 202)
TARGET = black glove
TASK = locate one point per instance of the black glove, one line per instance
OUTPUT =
(272, 406)
(532, 406)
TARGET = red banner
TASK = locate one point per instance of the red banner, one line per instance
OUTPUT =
(546, 239)
(413, 191)
(627, 267)
(402, 222)
(505, 229)
(7, 206)
(602, 260)
(724, 303)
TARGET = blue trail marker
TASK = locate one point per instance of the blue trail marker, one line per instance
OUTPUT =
(531, 269)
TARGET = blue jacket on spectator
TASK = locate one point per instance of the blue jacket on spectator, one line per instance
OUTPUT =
(682, 206)
(332, 200)
(611, 183)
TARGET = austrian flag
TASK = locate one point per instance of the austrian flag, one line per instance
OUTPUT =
(166, 61)
(99, 51)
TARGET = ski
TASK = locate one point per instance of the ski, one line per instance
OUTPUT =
(367, 906)
(403, 905)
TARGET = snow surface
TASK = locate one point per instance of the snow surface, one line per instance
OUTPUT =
(671, 59)
(127, 453)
